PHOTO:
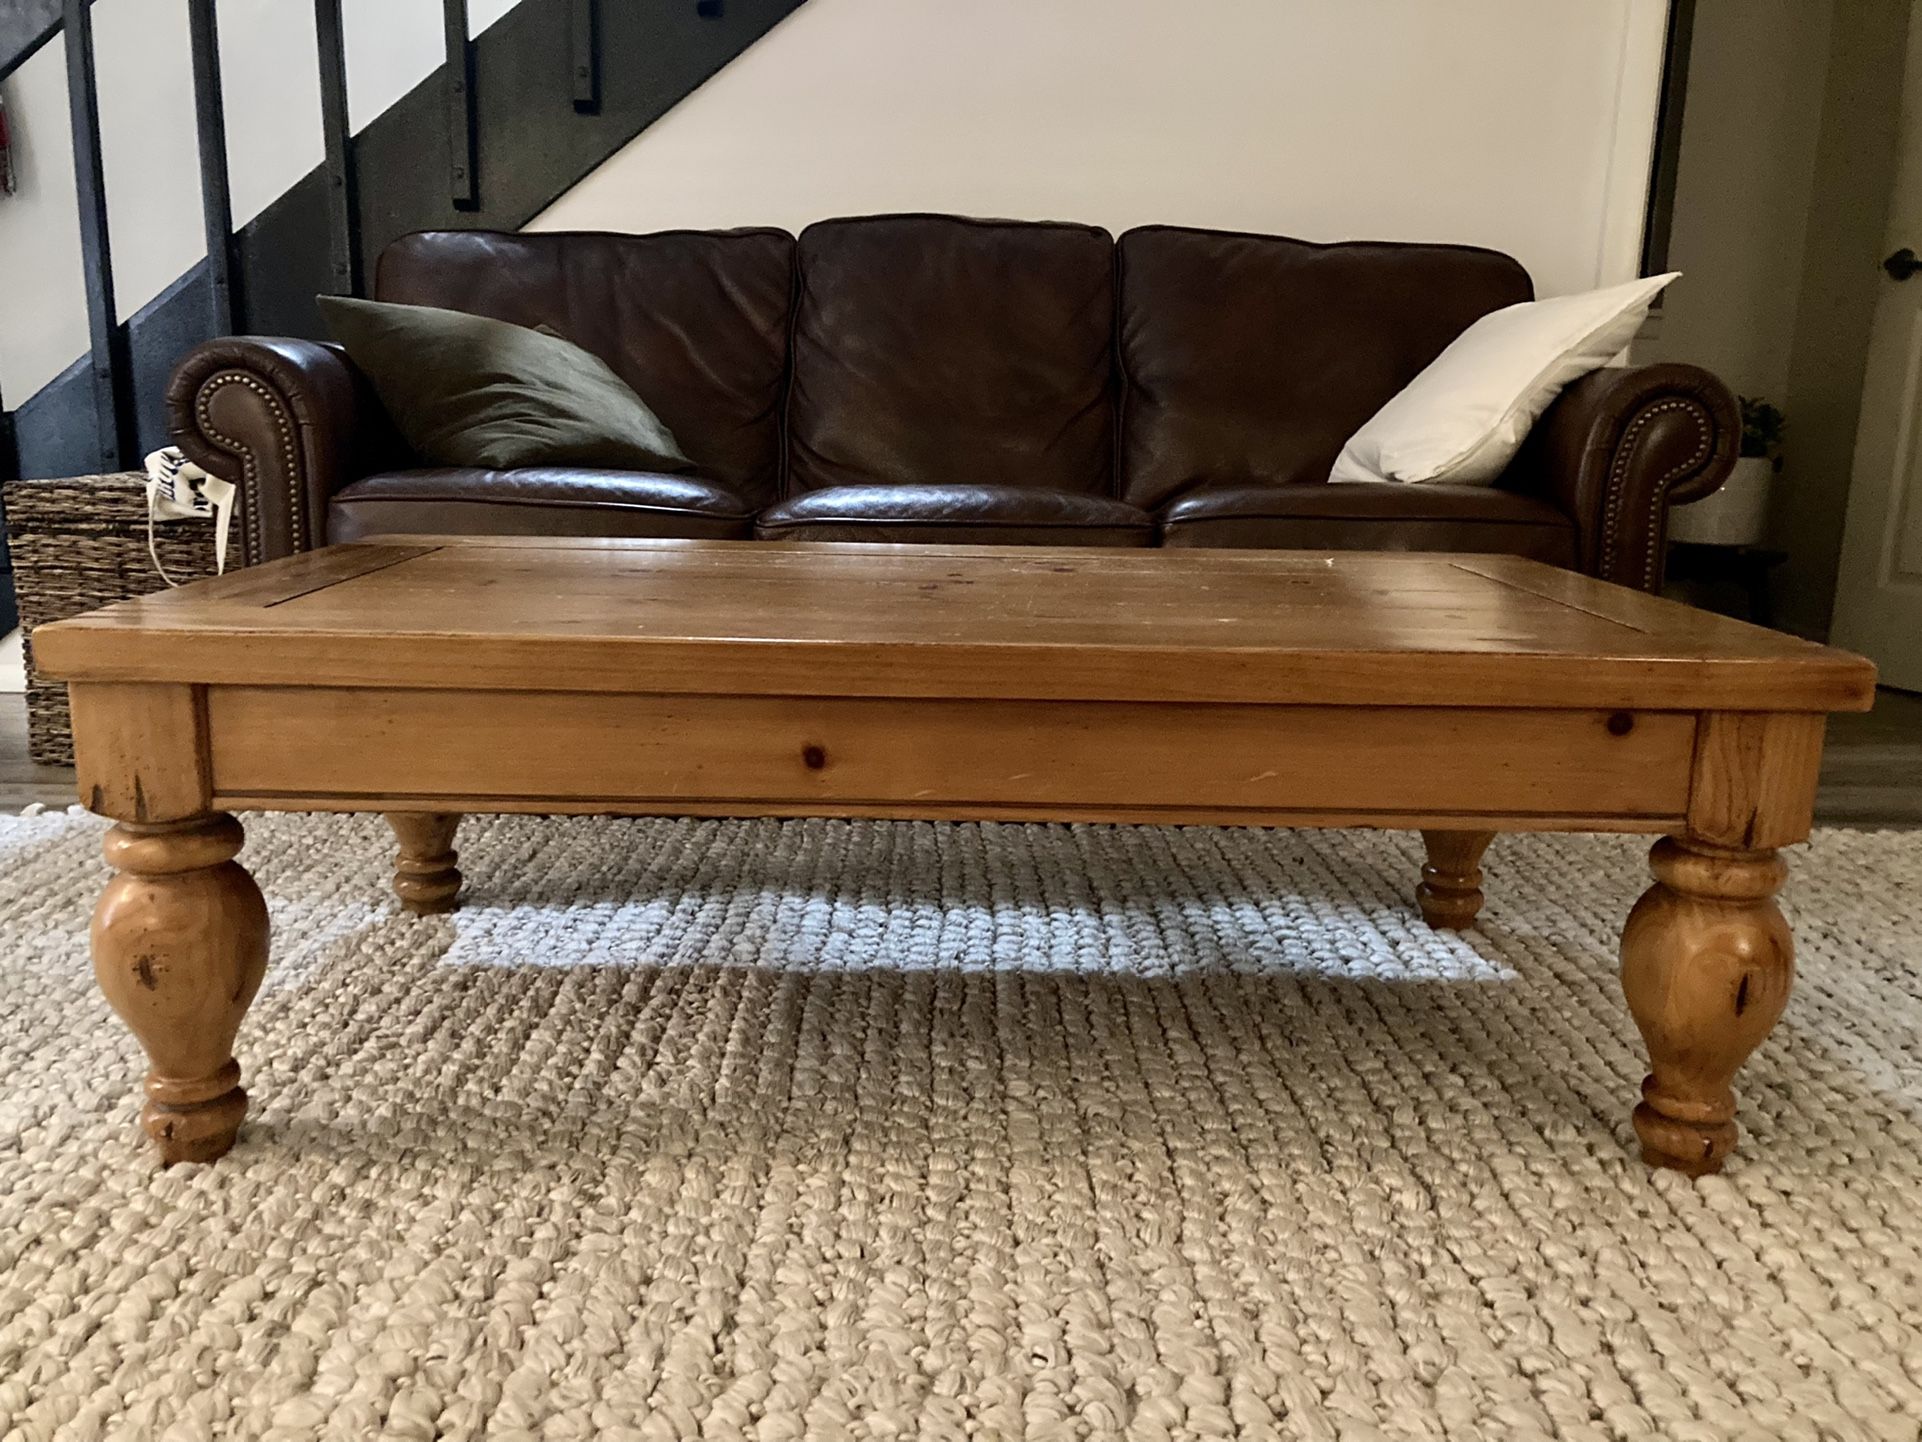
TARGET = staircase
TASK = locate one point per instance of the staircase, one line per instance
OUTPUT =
(510, 121)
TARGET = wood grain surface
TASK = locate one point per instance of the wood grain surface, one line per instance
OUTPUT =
(1004, 622)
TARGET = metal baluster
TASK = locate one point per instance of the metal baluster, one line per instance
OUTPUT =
(216, 199)
(1660, 218)
(112, 403)
(463, 183)
(584, 37)
(343, 200)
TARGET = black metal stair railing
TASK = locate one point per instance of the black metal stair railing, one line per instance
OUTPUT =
(343, 195)
(524, 111)
(463, 146)
(112, 384)
(584, 54)
(216, 193)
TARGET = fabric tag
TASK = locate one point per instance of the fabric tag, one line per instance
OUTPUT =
(177, 489)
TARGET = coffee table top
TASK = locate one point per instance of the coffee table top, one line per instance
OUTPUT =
(759, 618)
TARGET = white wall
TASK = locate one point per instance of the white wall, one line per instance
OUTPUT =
(1522, 124)
(41, 312)
(271, 87)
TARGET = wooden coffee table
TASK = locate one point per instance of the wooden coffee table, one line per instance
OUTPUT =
(1461, 696)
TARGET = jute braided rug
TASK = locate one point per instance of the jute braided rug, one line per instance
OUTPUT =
(832, 1130)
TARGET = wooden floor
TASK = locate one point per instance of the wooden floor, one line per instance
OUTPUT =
(1871, 772)
(21, 782)
(1872, 767)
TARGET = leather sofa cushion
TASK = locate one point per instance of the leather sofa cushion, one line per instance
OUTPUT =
(455, 501)
(934, 350)
(1372, 516)
(1250, 360)
(987, 515)
(695, 321)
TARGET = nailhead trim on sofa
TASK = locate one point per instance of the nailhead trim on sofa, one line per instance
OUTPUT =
(1624, 452)
(250, 471)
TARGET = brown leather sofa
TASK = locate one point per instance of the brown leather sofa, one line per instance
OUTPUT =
(934, 378)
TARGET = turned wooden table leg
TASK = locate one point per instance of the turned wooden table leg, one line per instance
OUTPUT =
(426, 878)
(1450, 893)
(179, 947)
(1707, 963)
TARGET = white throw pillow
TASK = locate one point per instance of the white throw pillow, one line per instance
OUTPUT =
(1464, 418)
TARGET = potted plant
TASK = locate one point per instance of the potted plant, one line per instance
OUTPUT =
(1737, 514)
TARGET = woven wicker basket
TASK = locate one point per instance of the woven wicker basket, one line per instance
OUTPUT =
(78, 544)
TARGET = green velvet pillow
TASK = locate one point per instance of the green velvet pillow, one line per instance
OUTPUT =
(469, 391)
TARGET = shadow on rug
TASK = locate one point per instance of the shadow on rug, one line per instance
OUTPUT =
(849, 1130)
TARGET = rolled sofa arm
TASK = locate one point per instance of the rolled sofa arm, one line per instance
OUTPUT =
(1618, 449)
(289, 422)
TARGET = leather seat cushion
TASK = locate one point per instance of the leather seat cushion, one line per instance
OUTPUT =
(936, 350)
(1253, 358)
(456, 501)
(695, 321)
(1372, 516)
(986, 515)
